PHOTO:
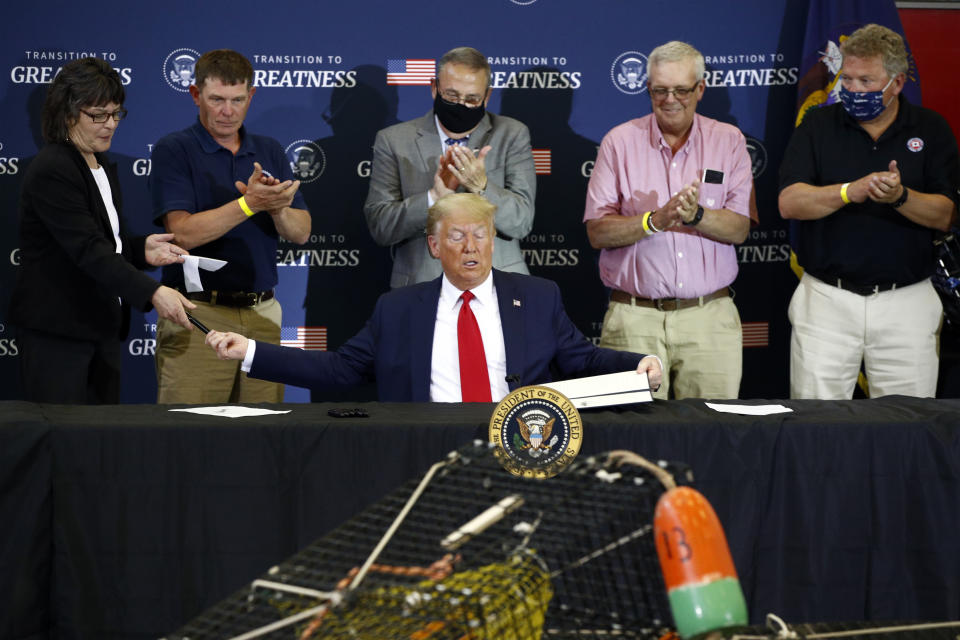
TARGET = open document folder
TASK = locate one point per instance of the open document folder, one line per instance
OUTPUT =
(606, 390)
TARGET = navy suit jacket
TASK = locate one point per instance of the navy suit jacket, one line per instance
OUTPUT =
(396, 345)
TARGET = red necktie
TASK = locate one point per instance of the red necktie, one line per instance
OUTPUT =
(474, 379)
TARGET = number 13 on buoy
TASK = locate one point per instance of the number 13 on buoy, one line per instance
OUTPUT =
(701, 581)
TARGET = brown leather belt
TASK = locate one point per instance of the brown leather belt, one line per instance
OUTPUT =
(668, 304)
(231, 298)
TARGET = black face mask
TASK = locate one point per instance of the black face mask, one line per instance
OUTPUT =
(455, 117)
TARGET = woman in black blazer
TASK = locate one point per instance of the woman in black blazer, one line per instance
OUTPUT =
(79, 272)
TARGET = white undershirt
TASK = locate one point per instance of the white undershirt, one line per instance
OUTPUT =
(103, 184)
(445, 361)
(445, 358)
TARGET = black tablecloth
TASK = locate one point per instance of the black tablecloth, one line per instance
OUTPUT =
(125, 521)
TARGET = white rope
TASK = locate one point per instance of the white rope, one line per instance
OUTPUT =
(292, 588)
(279, 624)
(453, 456)
(872, 630)
(593, 555)
(776, 623)
(621, 457)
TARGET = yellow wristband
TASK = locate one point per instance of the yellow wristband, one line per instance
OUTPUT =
(646, 223)
(650, 223)
(843, 193)
(246, 208)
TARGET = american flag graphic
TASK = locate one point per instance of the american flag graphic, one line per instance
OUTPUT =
(756, 334)
(309, 338)
(542, 161)
(409, 72)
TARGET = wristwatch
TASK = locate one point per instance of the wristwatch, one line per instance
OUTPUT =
(899, 201)
(697, 218)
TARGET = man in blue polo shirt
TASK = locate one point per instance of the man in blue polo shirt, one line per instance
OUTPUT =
(227, 194)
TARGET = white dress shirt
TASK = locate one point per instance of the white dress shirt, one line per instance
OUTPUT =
(103, 184)
(445, 361)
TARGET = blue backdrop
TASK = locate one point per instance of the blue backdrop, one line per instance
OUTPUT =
(321, 84)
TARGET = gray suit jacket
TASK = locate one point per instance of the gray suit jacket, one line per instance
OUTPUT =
(405, 158)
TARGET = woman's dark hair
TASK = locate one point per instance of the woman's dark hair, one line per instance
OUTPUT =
(81, 84)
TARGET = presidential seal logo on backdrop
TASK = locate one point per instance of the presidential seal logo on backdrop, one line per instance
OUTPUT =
(178, 68)
(307, 160)
(629, 72)
(537, 432)
(758, 156)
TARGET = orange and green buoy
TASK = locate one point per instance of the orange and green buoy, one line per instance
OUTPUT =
(701, 581)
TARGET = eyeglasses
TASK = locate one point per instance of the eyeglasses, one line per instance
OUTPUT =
(680, 93)
(470, 100)
(100, 118)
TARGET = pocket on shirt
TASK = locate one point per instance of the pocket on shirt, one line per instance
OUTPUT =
(713, 196)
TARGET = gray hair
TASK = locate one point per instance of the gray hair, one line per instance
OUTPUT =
(872, 40)
(676, 51)
(468, 57)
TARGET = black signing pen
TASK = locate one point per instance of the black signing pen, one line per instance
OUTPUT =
(197, 324)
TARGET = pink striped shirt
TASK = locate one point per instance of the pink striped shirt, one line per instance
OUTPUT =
(636, 172)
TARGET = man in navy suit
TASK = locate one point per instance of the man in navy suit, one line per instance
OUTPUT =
(410, 344)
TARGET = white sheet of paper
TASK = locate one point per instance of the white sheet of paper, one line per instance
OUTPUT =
(230, 411)
(191, 270)
(749, 410)
(606, 390)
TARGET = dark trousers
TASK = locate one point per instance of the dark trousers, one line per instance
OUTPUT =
(61, 370)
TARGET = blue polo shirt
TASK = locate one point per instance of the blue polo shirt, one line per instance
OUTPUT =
(191, 172)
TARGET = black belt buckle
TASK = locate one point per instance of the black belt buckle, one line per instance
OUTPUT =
(863, 290)
(249, 298)
(242, 298)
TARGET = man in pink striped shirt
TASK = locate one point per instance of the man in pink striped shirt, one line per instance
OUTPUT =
(670, 195)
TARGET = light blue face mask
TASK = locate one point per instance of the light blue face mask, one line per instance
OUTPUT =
(863, 105)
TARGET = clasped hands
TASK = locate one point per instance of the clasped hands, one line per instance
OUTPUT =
(459, 166)
(879, 186)
(682, 207)
(266, 193)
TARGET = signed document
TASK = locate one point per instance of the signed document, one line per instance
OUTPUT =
(606, 390)
(231, 411)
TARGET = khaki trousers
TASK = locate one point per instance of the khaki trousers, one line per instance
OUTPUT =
(189, 372)
(701, 347)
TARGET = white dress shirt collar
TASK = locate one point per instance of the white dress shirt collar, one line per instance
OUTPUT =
(483, 292)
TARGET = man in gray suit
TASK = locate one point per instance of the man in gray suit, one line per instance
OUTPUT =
(457, 146)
